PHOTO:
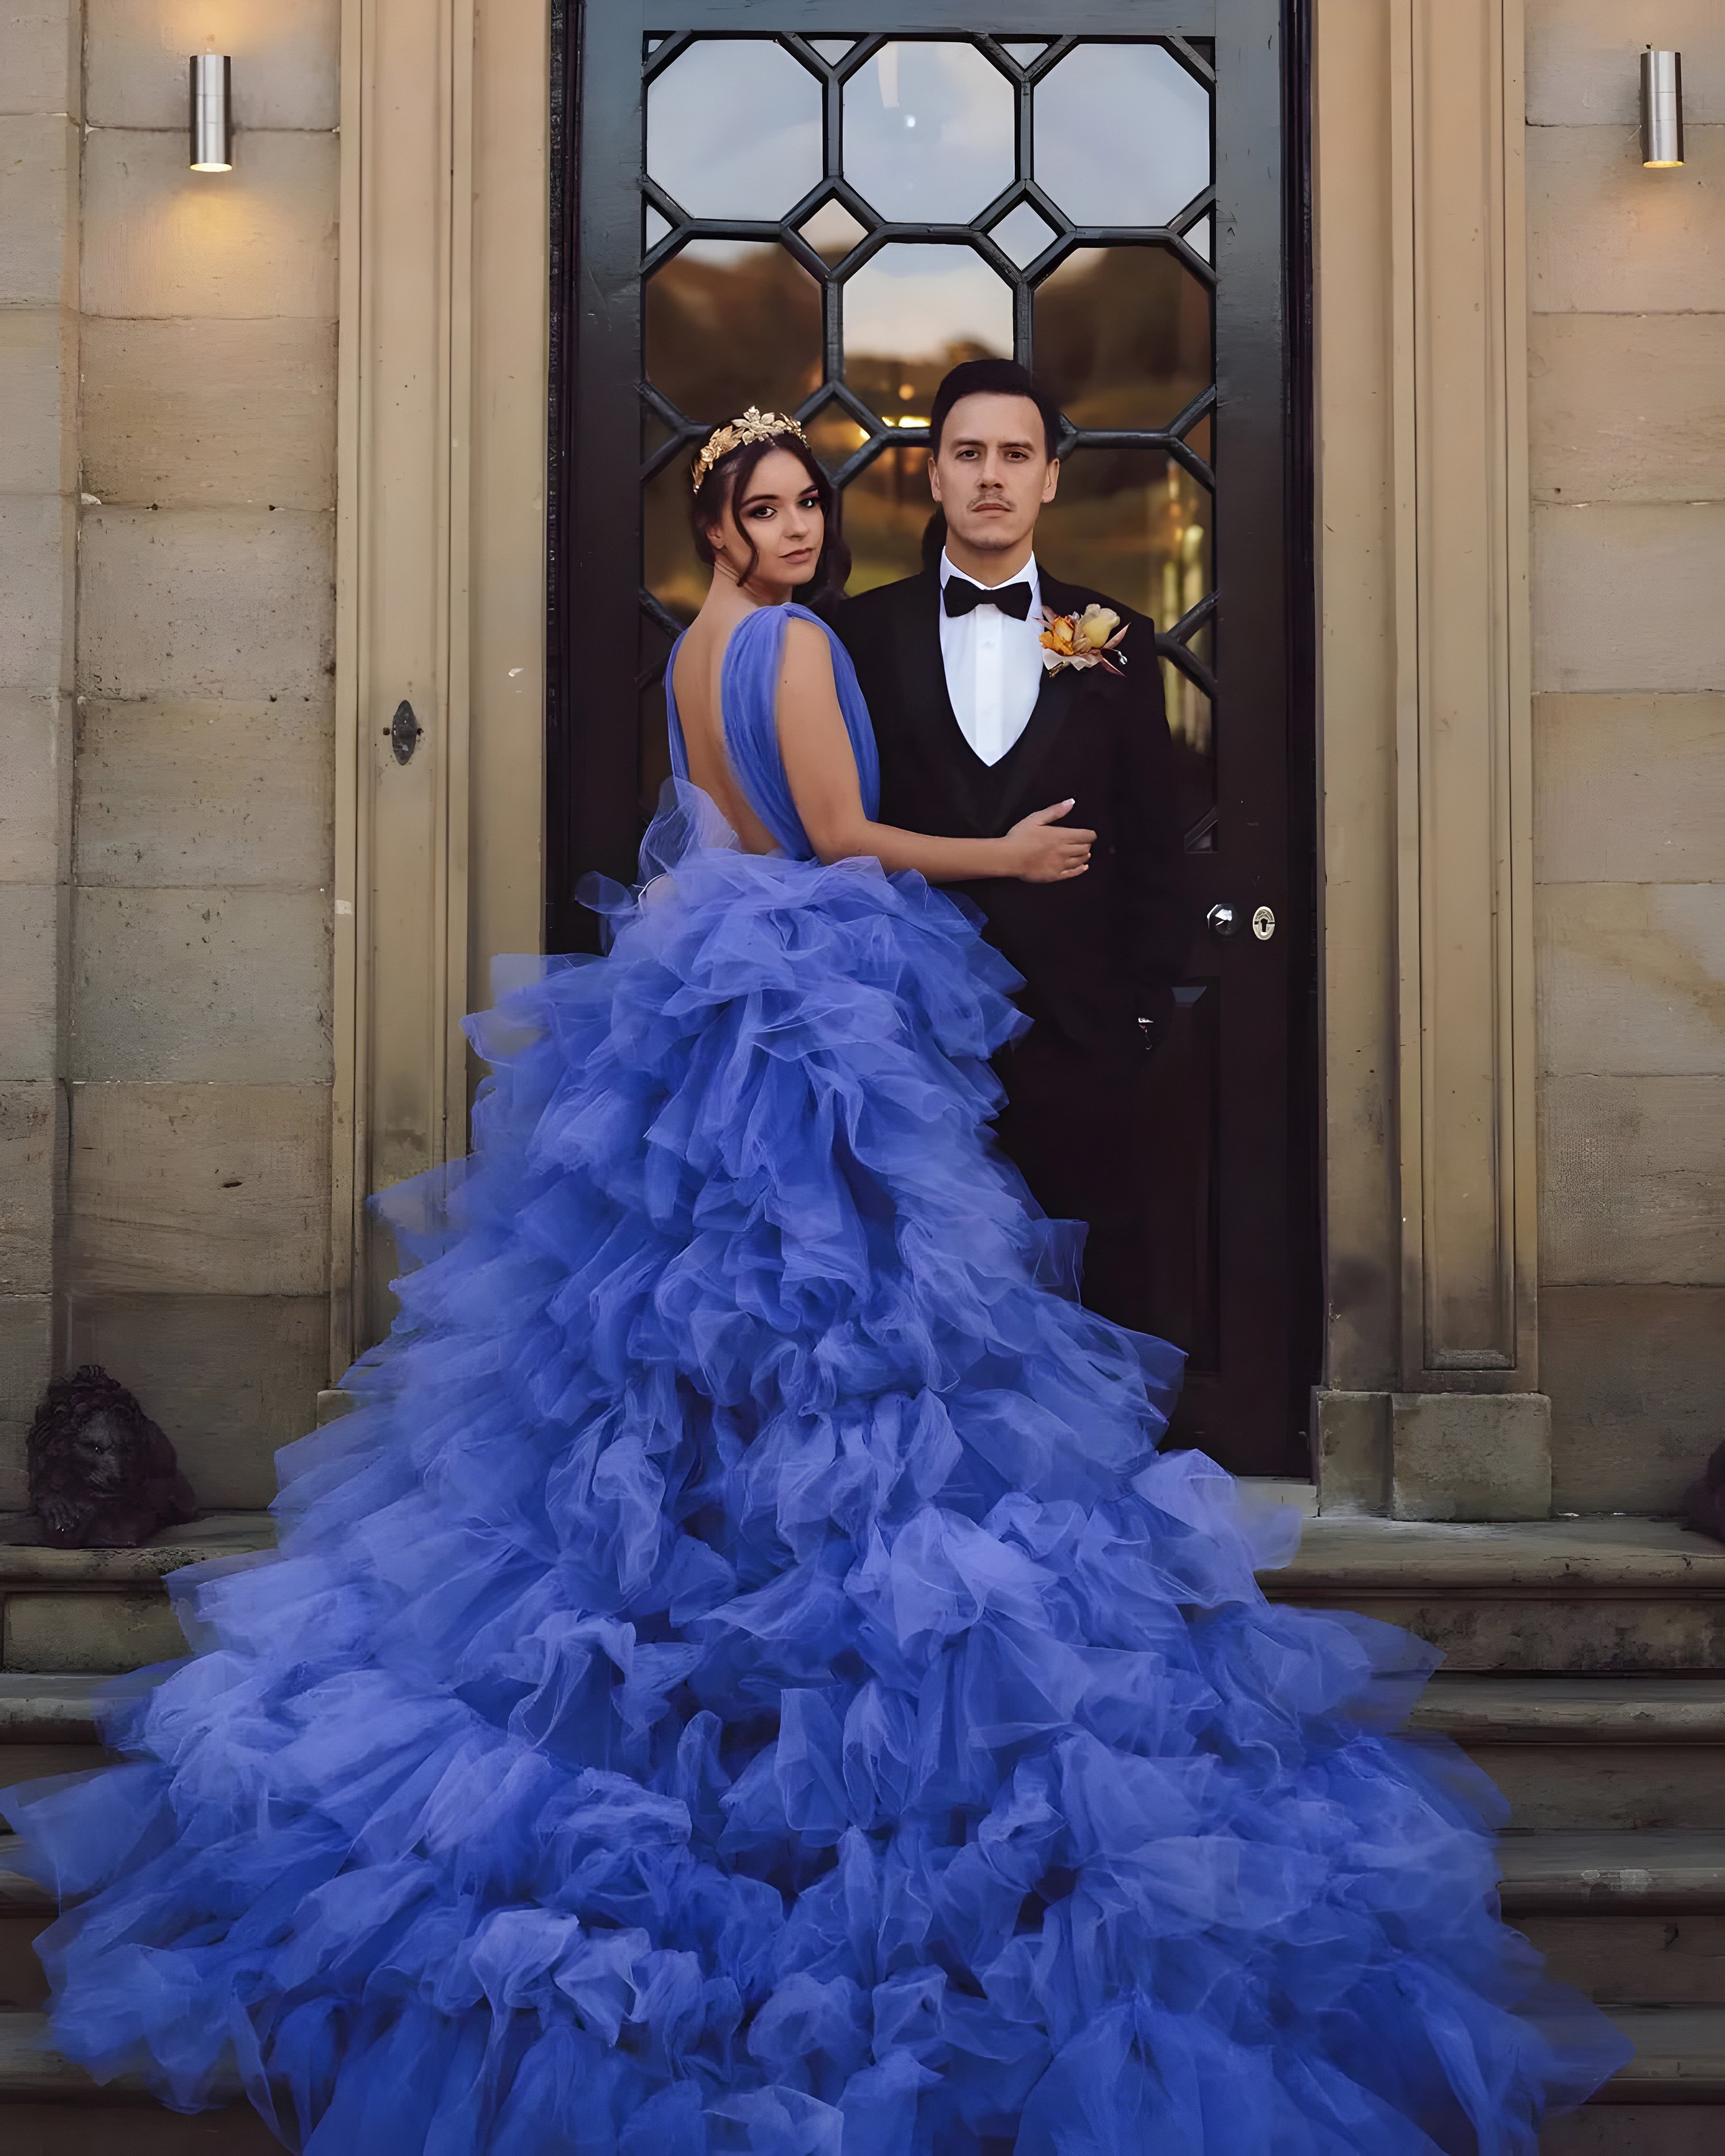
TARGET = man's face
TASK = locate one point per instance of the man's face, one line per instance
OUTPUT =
(993, 473)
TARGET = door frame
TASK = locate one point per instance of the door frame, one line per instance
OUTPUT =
(1261, 254)
(1418, 447)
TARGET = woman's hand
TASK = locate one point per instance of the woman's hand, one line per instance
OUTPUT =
(1042, 849)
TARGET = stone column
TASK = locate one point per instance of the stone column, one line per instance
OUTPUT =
(1432, 1409)
(39, 481)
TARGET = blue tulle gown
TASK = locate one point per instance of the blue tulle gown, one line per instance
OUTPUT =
(745, 1681)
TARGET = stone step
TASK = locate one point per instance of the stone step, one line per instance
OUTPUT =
(1679, 2068)
(1639, 1918)
(1639, 2129)
(101, 1612)
(1576, 1753)
(46, 1726)
(1610, 1595)
(50, 2108)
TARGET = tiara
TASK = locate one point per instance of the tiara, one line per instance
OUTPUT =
(754, 426)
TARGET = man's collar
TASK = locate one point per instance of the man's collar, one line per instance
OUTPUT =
(1029, 575)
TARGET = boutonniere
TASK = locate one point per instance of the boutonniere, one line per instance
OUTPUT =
(1081, 639)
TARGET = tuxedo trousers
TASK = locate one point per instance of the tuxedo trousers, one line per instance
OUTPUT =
(1074, 1128)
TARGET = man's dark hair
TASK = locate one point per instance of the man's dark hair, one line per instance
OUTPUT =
(993, 377)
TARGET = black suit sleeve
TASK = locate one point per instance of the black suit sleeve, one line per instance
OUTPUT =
(1152, 857)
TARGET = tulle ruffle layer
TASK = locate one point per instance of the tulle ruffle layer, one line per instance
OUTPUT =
(745, 1679)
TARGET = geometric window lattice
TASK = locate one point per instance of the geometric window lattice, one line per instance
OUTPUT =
(1012, 198)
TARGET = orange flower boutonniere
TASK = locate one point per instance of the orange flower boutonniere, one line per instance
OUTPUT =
(1081, 639)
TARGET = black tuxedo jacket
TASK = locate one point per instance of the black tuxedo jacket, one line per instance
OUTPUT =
(1105, 949)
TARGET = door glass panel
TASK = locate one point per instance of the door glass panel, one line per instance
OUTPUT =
(730, 323)
(928, 133)
(1026, 52)
(1123, 337)
(832, 232)
(1134, 523)
(1122, 134)
(910, 312)
(887, 510)
(734, 129)
(1022, 234)
(832, 49)
(676, 574)
(833, 435)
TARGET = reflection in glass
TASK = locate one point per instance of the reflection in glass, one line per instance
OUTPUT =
(1122, 135)
(1122, 336)
(734, 129)
(832, 232)
(1136, 524)
(887, 507)
(653, 739)
(833, 435)
(928, 132)
(1022, 234)
(732, 323)
(910, 312)
(670, 568)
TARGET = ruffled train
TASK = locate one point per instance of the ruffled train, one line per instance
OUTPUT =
(744, 1679)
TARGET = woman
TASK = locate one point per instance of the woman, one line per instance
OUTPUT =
(745, 1679)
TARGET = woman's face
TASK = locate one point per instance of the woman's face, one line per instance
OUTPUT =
(779, 514)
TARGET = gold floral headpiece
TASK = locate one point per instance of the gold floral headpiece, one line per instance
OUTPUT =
(754, 426)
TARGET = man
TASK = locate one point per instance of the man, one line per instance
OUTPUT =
(974, 732)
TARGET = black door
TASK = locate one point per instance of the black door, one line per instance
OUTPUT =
(820, 205)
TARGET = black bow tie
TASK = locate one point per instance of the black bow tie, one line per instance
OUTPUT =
(963, 598)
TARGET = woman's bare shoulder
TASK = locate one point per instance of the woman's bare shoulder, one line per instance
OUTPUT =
(808, 644)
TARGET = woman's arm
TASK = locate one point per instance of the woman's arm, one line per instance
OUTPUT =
(821, 770)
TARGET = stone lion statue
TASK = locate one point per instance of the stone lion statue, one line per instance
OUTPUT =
(102, 1474)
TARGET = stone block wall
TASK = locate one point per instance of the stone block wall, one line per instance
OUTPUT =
(172, 858)
(1627, 421)
(39, 108)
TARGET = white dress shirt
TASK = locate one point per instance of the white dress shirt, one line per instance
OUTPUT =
(993, 666)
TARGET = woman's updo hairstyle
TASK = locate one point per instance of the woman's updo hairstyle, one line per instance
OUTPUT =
(728, 481)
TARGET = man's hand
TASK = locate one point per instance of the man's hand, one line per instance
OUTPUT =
(1042, 849)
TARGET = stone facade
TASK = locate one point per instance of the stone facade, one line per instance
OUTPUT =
(1627, 469)
(166, 966)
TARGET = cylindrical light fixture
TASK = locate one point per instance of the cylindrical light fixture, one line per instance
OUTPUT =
(211, 112)
(1661, 108)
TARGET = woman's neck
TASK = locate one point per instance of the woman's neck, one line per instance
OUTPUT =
(729, 594)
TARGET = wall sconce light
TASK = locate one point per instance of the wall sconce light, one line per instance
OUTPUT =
(211, 112)
(1661, 108)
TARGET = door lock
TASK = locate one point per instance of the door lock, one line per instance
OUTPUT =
(1224, 921)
